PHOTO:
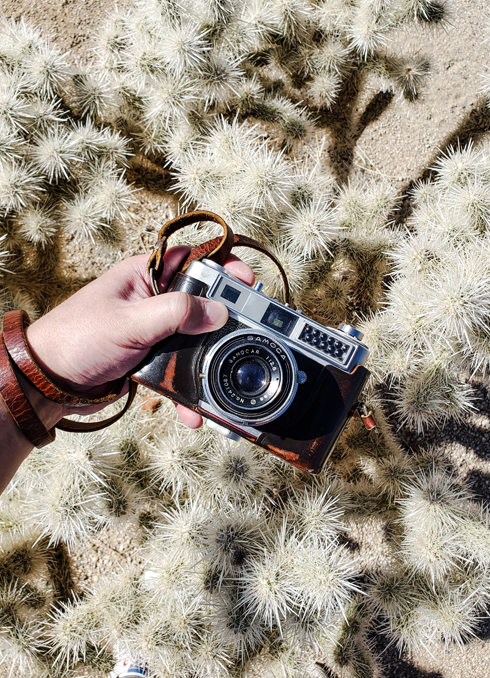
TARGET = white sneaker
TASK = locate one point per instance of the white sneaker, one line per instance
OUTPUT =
(129, 668)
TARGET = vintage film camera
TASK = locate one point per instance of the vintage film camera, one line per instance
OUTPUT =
(270, 375)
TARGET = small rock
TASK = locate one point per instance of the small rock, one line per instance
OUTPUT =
(152, 404)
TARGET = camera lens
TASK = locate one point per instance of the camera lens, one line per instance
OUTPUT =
(251, 377)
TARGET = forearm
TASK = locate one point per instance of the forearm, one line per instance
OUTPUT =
(14, 446)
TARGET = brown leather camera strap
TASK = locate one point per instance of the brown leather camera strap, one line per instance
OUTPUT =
(216, 249)
(219, 253)
(14, 335)
(89, 426)
(18, 405)
(15, 324)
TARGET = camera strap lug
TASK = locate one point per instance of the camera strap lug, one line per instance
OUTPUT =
(366, 415)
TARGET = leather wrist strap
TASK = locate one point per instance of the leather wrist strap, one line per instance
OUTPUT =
(15, 324)
(18, 404)
(14, 336)
(88, 427)
(216, 249)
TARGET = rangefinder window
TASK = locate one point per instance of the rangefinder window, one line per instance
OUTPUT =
(231, 294)
(279, 319)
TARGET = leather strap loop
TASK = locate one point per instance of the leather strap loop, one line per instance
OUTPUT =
(18, 404)
(216, 249)
(218, 253)
(245, 241)
(14, 332)
(242, 241)
(89, 426)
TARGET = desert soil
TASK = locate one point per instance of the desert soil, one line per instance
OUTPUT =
(400, 143)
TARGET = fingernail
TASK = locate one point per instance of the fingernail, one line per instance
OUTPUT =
(215, 313)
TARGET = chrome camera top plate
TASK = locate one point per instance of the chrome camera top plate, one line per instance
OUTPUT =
(328, 346)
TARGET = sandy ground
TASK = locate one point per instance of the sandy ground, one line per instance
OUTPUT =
(400, 142)
(406, 138)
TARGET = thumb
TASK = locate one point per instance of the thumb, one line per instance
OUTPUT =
(160, 316)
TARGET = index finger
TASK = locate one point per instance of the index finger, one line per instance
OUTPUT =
(240, 269)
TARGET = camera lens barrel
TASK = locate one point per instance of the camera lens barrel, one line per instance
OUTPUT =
(250, 378)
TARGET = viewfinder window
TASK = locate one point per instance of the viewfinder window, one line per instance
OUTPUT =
(279, 319)
(230, 294)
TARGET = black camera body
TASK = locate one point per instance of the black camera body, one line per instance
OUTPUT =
(270, 375)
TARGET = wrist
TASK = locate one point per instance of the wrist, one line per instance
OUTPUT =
(46, 353)
(30, 358)
(16, 439)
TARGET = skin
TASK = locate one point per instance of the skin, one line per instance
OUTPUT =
(101, 333)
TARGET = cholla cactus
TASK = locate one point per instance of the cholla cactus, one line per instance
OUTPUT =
(50, 160)
(250, 565)
(436, 307)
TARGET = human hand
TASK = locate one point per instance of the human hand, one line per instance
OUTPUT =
(105, 329)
